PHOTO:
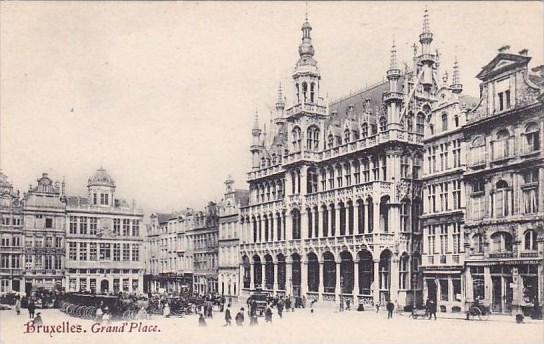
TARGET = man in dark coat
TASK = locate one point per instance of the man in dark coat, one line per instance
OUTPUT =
(240, 317)
(432, 309)
(280, 307)
(31, 308)
(390, 307)
(288, 304)
(268, 314)
(228, 317)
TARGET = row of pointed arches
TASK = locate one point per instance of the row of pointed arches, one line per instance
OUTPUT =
(344, 273)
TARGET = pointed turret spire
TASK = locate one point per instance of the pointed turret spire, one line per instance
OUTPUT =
(256, 122)
(426, 25)
(456, 85)
(280, 102)
(393, 61)
(426, 36)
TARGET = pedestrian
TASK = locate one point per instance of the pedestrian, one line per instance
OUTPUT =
(18, 305)
(253, 308)
(303, 301)
(268, 315)
(166, 310)
(288, 303)
(427, 308)
(228, 317)
(202, 321)
(38, 319)
(432, 309)
(253, 320)
(240, 317)
(377, 307)
(341, 304)
(107, 316)
(390, 307)
(31, 308)
(280, 307)
(99, 314)
(348, 301)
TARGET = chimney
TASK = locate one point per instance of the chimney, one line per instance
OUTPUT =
(504, 49)
(523, 52)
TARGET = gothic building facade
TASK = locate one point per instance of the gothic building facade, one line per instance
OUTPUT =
(336, 189)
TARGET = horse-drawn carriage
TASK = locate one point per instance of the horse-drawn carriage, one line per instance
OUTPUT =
(85, 306)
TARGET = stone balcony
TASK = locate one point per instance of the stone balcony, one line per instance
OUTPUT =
(308, 108)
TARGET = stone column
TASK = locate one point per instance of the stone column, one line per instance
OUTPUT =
(304, 224)
(288, 231)
(263, 274)
(241, 276)
(271, 227)
(376, 216)
(394, 278)
(338, 289)
(488, 284)
(376, 284)
(337, 220)
(304, 277)
(275, 276)
(451, 295)
(355, 209)
(321, 287)
(356, 278)
(251, 276)
(366, 223)
(321, 228)
(288, 277)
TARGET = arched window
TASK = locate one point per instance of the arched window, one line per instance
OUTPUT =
(312, 138)
(405, 166)
(305, 91)
(347, 173)
(330, 141)
(501, 242)
(529, 240)
(502, 199)
(311, 180)
(296, 223)
(312, 91)
(298, 92)
(444, 121)
(347, 136)
(331, 178)
(477, 151)
(296, 139)
(420, 123)
(383, 123)
(364, 130)
(456, 120)
(404, 275)
(532, 138)
(416, 168)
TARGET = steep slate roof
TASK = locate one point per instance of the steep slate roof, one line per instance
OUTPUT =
(358, 100)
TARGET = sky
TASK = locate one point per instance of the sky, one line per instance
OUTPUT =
(163, 95)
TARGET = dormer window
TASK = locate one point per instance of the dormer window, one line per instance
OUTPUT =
(330, 141)
(347, 136)
(502, 88)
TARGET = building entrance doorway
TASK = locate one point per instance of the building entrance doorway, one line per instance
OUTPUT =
(104, 286)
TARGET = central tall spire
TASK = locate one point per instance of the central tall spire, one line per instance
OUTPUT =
(306, 49)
